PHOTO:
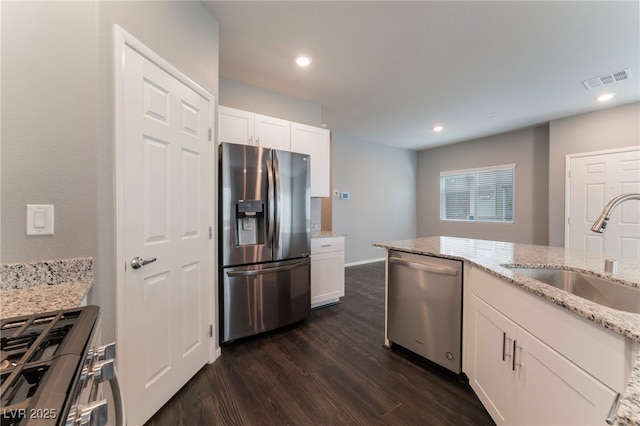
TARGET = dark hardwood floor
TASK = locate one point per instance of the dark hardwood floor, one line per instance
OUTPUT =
(329, 370)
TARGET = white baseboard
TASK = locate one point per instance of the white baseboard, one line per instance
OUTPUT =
(362, 262)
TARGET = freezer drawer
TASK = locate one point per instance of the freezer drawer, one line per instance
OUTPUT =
(259, 298)
(425, 307)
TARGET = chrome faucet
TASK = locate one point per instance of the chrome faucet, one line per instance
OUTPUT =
(601, 223)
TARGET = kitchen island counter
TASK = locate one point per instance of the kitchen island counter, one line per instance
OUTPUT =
(491, 256)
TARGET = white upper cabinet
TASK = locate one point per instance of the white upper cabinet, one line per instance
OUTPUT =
(315, 142)
(248, 128)
(235, 126)
(272, 132)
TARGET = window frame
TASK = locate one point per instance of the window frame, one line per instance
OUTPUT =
(473, 191)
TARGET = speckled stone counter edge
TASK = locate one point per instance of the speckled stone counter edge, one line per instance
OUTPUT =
(20, 276)
(326, 234)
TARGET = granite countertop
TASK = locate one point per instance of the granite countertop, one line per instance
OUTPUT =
(44, 298)
(492, 255)
(33, 287)
(325, 234)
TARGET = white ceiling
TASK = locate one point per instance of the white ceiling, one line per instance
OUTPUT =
(387, 71)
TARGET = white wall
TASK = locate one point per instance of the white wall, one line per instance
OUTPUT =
(527, 148)
(381, 181)
(597, 131)
(57, 119)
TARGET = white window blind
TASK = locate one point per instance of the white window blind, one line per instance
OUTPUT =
(484, 195)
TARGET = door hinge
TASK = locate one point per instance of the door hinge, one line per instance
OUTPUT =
(210, 233)
(210, 330)
(210, 132)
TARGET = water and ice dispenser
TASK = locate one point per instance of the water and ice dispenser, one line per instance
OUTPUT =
(250, 222)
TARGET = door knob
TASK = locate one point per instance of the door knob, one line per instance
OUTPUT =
(139, 262)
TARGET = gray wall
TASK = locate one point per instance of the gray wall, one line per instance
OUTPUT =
(57, 120)
(250, 98)
(381, 181)
(527, 148)
(597, 131)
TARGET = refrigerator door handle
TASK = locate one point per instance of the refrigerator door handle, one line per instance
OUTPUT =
(266, 270)
(270, 201)
(278, 199)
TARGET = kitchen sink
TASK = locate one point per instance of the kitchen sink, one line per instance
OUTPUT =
(599, 290)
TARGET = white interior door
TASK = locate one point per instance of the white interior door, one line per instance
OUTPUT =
(593, 180)
(164, 307)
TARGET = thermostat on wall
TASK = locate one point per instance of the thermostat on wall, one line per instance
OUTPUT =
(344, 195)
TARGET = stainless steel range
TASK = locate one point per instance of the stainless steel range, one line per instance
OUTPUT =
(52, 372)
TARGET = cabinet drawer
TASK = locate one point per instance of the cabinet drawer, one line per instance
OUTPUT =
(327, 244)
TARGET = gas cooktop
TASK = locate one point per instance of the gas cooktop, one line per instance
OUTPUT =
(41, 360)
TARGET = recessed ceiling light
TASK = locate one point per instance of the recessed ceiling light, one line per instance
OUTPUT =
(606, 97)
(438, 128)
(303, 61)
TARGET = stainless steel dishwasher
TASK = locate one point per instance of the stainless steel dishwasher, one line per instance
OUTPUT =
(424, 309)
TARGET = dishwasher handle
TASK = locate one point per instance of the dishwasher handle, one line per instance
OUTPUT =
(425, 266)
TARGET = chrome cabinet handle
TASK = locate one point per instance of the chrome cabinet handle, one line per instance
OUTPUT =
(139, 262)
(517, 361)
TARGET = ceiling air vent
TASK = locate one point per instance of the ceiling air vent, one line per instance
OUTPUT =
(607, 79)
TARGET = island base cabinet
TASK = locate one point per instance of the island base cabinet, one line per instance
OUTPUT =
(523, 381)
(490, 370)
(551, 390)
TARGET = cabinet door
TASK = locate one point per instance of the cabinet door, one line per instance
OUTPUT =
(235, 126)
(553, 391)
(490, 362)
(327, 277)
(315, 142)
(272, 132)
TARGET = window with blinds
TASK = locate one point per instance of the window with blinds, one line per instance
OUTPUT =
(479, 195)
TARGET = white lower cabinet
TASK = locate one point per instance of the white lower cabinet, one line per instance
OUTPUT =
(519, 377)
(521, 380)
(327, 270)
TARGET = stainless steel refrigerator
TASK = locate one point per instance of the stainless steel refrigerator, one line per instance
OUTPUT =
(265, 239)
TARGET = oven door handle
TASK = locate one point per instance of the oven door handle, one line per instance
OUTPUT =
(117, 399)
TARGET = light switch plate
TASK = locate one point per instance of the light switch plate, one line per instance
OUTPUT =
(39, 219)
